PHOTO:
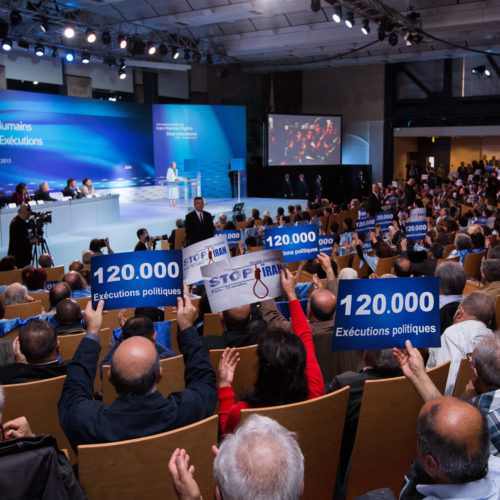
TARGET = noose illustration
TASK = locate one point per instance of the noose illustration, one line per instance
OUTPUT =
(210, 258)
(257, 279)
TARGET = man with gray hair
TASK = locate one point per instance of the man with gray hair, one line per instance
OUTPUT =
(452, 279)
(470, 325)
(490, 276)
(261, 460)
(43, 192)
(16, 294)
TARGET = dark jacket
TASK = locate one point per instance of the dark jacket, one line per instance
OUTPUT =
(19, 244)
(237, 338)
(287, 189)
(197, 230)
(87, 421)
(302, 189)
(18, 373)
(373, 205)
(43, 195)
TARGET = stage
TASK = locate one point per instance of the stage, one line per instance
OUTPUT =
(154, 214)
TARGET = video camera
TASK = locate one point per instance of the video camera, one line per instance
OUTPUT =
(36, 221)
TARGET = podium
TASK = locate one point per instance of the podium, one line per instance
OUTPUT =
(191, 188)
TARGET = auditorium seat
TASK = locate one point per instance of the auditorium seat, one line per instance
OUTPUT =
(138, 468)
(463, 377)
(110, 318)
(37, 401)
(319, 424)
(173, 336)
(384, 265)
(68, 344)
(343, 261)
(172, 379)
(43, 297)
(448, 249)
(180, 236)
(450, 259)
(471, 286)
(54, 273)
(472, 265)
(8, 277)
(82, 301)
(386, 442)
(23, 311)
(168, 313)
(360, 266)
(212, 324)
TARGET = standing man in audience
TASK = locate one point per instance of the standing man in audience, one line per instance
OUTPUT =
(374, 205)
(199, 223)
(87, 188)
(318, 189)
(43, 192)
(20, 243)
(140, 410)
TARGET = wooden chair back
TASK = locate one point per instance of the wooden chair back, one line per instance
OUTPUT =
(389, 408)
(258, 223)
(10, 335)
(471, 286)
(54, 273)
(37, 401)
(212, 324)
(110, 318)
(343, 261)
(8, 277)
(384, 265)
(137, 468)
(497, 311)
(448, 249)
(172, 379)
(169, 314)
(165, 245)
(360, 266)
(450, 259)
(245, 374)
(43, 297)
(180, 236)
(23, 311)
(240, 225)
(68, 345)
(463, 377)
(256, 249)
(82, 301)
(472, 265)
(319, 424)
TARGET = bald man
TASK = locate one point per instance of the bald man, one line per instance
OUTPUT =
(235, 323)
(140, 410)
(453, 454)
(321, 315)
(68, 317)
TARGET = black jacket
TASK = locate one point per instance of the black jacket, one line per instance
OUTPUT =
(197, 230)
(43, 195)
(19, 244)
(18, 373)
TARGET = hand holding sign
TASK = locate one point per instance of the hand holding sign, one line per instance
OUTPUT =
(93, 319)
(186, 312)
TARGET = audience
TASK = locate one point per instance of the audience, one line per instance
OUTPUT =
(16, 294)
(68, 317)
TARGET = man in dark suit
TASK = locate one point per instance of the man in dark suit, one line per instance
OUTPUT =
(287, 187)
(71, 189)
(42, 193)
(199, 224)
(302, 189)
(36, 353)
(140, 410)
(317, 189)
(373, 205)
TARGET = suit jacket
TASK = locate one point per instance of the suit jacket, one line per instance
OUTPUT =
(302, 189)
(287, 189)
(19, 244)
(68, 191)
(18, 373)
(425, 268)
(197, 230)
(373, 205)
(491, 290)
(86, 421)
(43, 195)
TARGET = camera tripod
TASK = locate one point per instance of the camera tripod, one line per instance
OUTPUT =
(39, 249)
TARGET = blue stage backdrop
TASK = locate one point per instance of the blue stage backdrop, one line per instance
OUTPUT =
(212, 135)
(50, 138)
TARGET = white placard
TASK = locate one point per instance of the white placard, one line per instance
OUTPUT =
(202, 253)
(417, 215)
(245, 279)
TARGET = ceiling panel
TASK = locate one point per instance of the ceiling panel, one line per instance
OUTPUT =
(163, 8)
(270, 22)
(207, 4)
(237, 27)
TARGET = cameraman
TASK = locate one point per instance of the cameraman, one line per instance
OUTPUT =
(20, 242)
(96, 245)
(145, 242)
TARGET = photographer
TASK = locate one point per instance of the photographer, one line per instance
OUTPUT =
(20, 242)
(145, 242)
(96, 245)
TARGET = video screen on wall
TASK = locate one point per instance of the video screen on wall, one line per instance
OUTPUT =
(303, 140)
(51, 138)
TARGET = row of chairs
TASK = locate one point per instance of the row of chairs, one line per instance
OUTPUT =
(14, 276)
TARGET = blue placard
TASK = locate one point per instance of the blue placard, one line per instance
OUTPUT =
(137, 279)
(365, 225)
(384, 313)
(482, 221)
(233, 236)
(296, 242)
(416, 230)
(362, 214)
(325, 243)
(384, 220)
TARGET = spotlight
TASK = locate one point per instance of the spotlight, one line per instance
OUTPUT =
(122, 74)
(85, 57)
(393, 39)
(55, 52)
(481, 70)
(409, 39)
(91, 35)
(151, 48)
(487, 72)
(162, 49)
(122, 42)
(349, 20)
(365, 29)
(39, 51)
(70, 56)
(315, 5)
(106, 38)
(7, 44)
(15, 18)
(69, 31)
(44, 25)
(122, 64)
(337, 14)
(35, 82)
(176, 53)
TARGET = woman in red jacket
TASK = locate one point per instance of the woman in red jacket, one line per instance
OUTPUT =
(288, 369)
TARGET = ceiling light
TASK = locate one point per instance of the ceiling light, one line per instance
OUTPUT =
(122, 74)
(70, 56)
(85, 57)
(122, 64)
(35, 82)
(39, 51)
(365, 29)
(106, 38)
(176, 53)
(69, 31)
(91, 35)
(349, 20)
(409, 39)
(487, 72)
(337, 14)
(393, 39)
(122, 42)
(315, 5)
(15, 18)
(7, 44)
(151, 48)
